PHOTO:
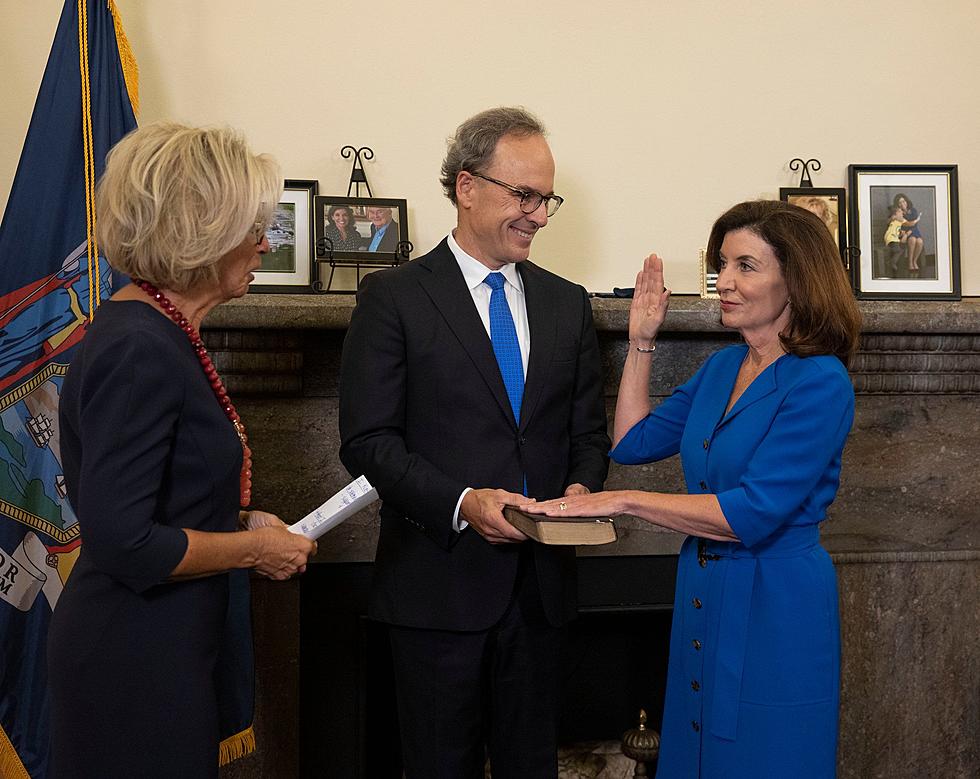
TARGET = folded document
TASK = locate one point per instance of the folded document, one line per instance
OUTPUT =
(351, 499)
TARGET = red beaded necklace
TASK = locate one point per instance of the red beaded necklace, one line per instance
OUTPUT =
(245, 479)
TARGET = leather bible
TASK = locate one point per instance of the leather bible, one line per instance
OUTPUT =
(562, 531)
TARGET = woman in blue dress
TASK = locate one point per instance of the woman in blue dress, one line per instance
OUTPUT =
(753, 677)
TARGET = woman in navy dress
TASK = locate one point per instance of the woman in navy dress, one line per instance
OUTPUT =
(914, 242)
(157, 467)
(753, 677)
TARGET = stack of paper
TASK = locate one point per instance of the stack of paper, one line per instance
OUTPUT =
(351, 499)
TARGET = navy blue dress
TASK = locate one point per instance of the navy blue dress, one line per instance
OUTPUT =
(146, 451)
(754, 669)
(910, 216)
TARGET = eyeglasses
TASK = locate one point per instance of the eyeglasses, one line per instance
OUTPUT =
(530, 201)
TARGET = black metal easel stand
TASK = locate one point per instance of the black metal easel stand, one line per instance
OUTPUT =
(324, 247)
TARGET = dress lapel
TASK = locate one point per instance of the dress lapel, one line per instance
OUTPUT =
(763, 384)
(447, 289)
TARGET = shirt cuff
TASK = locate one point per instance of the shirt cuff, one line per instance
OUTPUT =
(459, 525)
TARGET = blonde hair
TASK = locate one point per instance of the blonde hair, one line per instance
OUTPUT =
(174, 199)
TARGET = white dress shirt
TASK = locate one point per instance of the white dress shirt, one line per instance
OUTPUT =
(474, 272)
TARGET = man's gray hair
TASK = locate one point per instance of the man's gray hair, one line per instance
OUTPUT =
(476, 140)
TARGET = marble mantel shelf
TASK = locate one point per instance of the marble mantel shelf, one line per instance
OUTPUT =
(688, 313)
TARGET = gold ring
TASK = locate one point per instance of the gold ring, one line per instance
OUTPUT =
(562, 506)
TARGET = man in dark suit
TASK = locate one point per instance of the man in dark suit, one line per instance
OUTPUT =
(471, 377)
(384, 230)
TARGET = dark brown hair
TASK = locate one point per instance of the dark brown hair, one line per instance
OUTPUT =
(334, 209)
(824, 317)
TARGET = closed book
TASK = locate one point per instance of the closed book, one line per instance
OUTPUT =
(564, 531)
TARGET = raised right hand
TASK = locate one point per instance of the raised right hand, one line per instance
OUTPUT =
(482, 509)
(650, 302)
(281, 554)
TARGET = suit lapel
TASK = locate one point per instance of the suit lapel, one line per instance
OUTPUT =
(446, 288)
(542, 324)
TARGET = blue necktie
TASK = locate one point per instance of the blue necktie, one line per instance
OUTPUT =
(506, 347)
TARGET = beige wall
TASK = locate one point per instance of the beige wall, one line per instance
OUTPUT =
(661, 114)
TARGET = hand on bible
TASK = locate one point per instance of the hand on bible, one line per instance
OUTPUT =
(596, 504)
(482, 509)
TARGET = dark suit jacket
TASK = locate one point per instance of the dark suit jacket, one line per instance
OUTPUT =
(424, 414)
(389, 241)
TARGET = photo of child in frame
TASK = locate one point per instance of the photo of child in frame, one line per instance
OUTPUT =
(904, 234)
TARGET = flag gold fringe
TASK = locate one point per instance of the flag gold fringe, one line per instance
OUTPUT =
(131, 76)
(10, 765)
(234, 747)
(131, 71)
(94, 281)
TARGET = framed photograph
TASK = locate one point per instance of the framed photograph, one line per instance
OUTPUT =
(905, 224)
(362, 229)
(828, 204)
(290, 263)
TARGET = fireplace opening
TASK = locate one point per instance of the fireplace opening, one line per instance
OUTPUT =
(614, 664)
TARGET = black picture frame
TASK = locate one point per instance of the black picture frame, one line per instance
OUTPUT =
(290, 264)
(828, 203)
(927, 268)
(360, 207)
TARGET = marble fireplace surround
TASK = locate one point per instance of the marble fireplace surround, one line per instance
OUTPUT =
(904, 531)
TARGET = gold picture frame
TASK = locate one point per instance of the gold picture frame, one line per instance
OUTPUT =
(709, 279)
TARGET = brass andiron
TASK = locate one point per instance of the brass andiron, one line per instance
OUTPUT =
(641, 745)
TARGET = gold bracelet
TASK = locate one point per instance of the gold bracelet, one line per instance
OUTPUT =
(651, 350)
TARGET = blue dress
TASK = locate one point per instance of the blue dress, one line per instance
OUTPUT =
(754, 670)
(910, 216)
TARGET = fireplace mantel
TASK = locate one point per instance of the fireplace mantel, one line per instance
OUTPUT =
(688, 313)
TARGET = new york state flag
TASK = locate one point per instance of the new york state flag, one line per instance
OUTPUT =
(51, 281)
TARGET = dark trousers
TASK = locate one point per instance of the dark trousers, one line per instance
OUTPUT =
(462, 696)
